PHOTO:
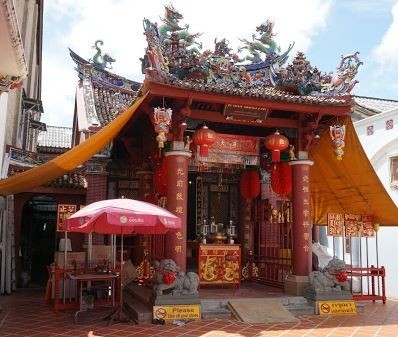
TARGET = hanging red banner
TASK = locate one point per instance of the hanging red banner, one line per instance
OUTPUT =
(351, 222)
(335, 224)
(367, 223)
(236, 144)
(233, 149)
(64, 212)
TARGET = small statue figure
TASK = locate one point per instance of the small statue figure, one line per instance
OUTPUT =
(291, 153)
(187, 144)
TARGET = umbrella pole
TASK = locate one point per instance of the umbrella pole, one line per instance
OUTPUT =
(89, 249)
(65, 263)
(121, 274)
(119, 311)
(114, 251)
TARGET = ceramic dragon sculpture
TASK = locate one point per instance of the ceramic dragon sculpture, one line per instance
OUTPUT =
(103, 61)
(264, 44)
(171, 31)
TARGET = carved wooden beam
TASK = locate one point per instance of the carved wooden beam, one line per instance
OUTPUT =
(163, 90)
(214, 116)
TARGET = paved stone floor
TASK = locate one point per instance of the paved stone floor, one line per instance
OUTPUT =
(25, 314)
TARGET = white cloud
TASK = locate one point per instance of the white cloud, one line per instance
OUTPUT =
(386, 52)
(366, 6)
(119, 25)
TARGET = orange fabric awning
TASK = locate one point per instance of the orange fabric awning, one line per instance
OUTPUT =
(69, 160)
(349, 185)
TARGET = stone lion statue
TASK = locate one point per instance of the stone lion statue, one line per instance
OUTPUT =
(169, 278)
(331, 278)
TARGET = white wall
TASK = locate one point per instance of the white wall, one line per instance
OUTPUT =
(3, 122)
(380, 147)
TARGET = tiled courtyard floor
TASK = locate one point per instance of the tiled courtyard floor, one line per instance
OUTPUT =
(25, 314)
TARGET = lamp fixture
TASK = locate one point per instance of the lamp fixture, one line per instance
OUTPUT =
(315, 133)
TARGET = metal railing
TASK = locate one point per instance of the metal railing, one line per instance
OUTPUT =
(368, 283)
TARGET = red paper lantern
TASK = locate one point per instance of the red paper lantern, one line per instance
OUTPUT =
(276, 143)
(281, 178)
(250, 184)
(160, 178)
(204, 137)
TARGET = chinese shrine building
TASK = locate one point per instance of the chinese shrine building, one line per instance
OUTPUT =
(252, 153)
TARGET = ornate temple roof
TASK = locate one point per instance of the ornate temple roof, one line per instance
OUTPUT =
(56, 137)
(101, 95)
(174, 56)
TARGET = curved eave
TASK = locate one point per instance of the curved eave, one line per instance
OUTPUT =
(134, 86)
(280, 100)
(12, 62)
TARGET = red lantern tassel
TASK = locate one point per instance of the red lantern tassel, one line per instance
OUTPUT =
(276, 156)
(204, 150)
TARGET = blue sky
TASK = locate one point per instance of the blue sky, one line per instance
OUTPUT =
(322, 29)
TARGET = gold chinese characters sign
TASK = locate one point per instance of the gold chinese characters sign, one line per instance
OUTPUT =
(352, 225)
(64, 212)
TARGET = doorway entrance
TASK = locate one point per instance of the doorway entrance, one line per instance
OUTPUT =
(38, 240)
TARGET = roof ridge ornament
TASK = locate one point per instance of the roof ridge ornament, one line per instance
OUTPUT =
(100, 59)
(173, 55)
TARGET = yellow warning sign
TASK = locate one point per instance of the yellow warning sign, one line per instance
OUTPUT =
(168, 312)
(337, 307)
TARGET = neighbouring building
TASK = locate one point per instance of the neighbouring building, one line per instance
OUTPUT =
(379, 137)
(21, 28)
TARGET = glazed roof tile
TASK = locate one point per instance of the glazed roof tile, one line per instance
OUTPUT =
(377, 105)
(108, 102)
(55, 136)
(74, 179)
(365, 107)
(260, 92)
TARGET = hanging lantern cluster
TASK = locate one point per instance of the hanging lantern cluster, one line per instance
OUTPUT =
(337, 134)
(250, 184)
(204, 138)
(276, 143)
(162, 118)
(281, 178)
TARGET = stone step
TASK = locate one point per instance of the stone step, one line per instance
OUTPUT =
(136, 309)
(140, 292)
(141, 301)
(217, 314)
(215, 308)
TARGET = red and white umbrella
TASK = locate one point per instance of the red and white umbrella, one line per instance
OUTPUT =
(122, 216)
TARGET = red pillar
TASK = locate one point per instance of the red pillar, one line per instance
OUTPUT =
(177, 203)
(315, 233)
(302, 233)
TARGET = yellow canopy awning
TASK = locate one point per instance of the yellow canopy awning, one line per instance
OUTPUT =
(69, 160)
(349, 185)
